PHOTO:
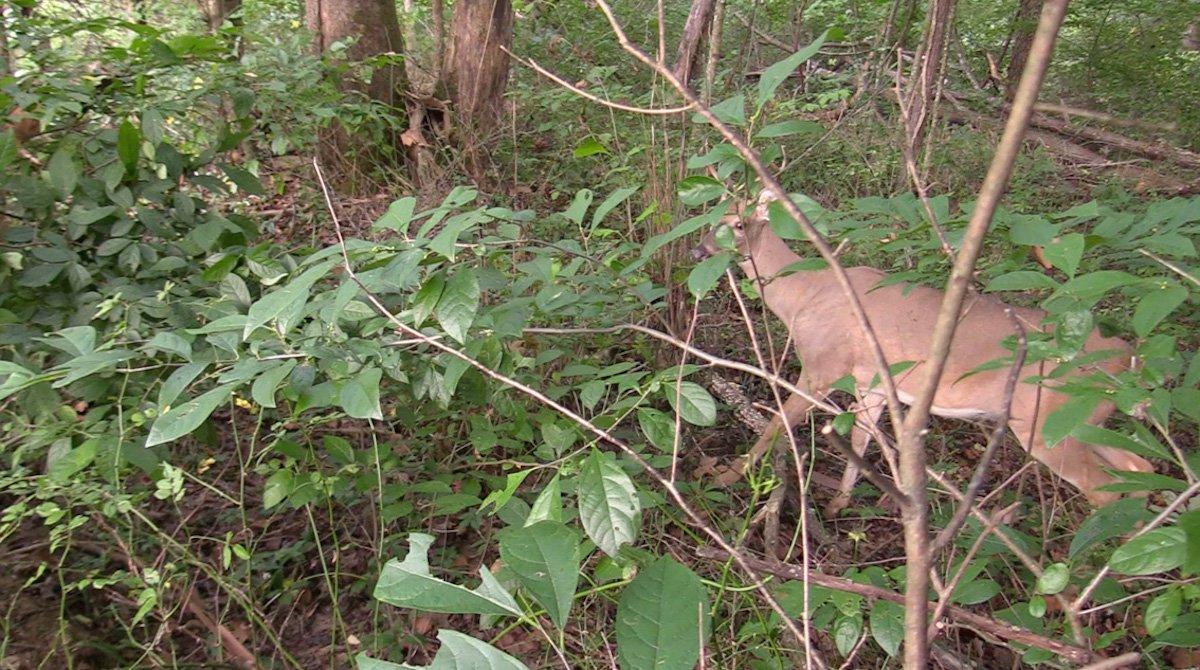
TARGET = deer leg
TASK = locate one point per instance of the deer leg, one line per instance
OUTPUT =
(795, 409)
(868, 410)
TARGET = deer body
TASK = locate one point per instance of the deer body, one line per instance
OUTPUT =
(830, 345)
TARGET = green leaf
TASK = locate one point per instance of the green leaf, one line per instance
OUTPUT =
(1155, 306)
(544, 557)
(1065, 252)
(975, 592)
(707, 273)
(90, 364)
(693, 403)
(776, 74)
(1113, 520)
(699, 189)
(1162, 611)
(662, 617)
(458, 304)
(61, 468)
(426, 298)
(1053, 580)
(63, 171)
(264, 387)
(8, 148)
(846, 631)
(793, 127)
(658, 428)
(610, 203)
(180, 379)
(398, 215)
(129, 144)
(445, 243)
(609, 508)
(172, 343)
(1090, 434)
(731, 110)
(278, 487)
(183, 419)
(887, 625)
(1187, 401)
(589, 147)
(1069, 416)
(578, 208)
(244, 179)
(360, 394)
(275, 303)
(1150, 553)
(1021, 280)
(500, 497)
(409, 583)
(1190, 523)
(458, 652)
(548, 505)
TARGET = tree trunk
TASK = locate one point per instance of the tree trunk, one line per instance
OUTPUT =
(475, 73)
(925, 86)
(699, 21)
(216, 11)
(377, 31)
(1021, 38)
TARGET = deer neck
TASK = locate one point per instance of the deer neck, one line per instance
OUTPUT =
(768, 257)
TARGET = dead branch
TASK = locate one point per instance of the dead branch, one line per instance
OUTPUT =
(1156, 150)
(984, 624)
(1067, 110)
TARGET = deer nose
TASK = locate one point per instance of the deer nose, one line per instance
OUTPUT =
(699, 253)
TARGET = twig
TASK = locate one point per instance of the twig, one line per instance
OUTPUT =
(988, 625)
(1115, 662)
(1172, 267)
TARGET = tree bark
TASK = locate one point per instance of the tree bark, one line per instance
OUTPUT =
(1021, 38)
(475, 75)
(216, 11)
(699, 22)
(376, 28)
(926, 83)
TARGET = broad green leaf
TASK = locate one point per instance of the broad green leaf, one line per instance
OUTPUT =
(77, 341)
(1113, 520)
(398, 215)
(172, 343)
(1053, 580)
(1162, 611)
(500, 497)
(275, 303)
(183, 419)
(129, 144)
(773, 76)
(705, 220)
(61, 468)
(8, 148)
(579, 206)
(704, 277)
(62, 170)
(458, 652)
(1090, 434)
(1190, 523)
(1093, 285)
(589, 147)
(360, 394)
(426, 298)
(887, 625)
(658, 428)
(608, 503)
(180, 379)
(1155, 306)
(244, 179)
(793, 127)
(1155, 551)
(1187, 401)
(544, 557)
(699, 189)
(445, 243)
(731, 110)
(1065, 252)
(1021, 280)
(693, 403)
(548, 505)
(90, 364)
(846, 631)
(265, 385)
(15, 378)
(1069, 416)
(662, 617)
(610, 203)
(278, 487)
(975, 592)
(458, 304)
(409, 583)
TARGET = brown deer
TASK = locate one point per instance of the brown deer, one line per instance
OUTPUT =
(831, 345)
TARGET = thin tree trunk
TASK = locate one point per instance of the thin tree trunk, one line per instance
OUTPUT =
(438, 9)
(1024, 26)
(699, 22)
(714, 52)
(216, 11)
(475, 73)
(925, 87)
(376, 28)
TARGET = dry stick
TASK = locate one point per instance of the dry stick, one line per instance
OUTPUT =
(1172, 267)
(649, 111)
(787, 427)
(869, 472)
(776, 190)
(994, 441)
(946, 591)
(1115, 662)
(985, 624)
(912, 448)
(602, 434)
(1154, 523)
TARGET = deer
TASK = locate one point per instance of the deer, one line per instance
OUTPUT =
(831, 346)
